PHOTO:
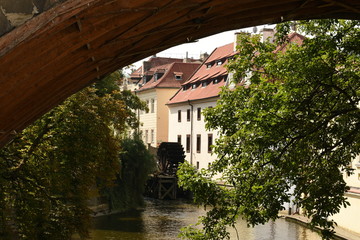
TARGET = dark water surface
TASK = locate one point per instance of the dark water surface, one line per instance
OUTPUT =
(162, 220)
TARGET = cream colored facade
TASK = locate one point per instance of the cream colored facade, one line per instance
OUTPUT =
(348, 218)
(155, 123)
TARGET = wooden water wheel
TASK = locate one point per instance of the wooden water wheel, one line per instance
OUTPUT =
(170, 154)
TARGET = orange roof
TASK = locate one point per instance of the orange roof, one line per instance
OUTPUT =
(215, 71)
(207, 75)
(153, 62)
(137, 73)
(168, 79)
(293, 38)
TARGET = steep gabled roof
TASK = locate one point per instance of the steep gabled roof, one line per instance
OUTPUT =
(185, 70)
(207, 75)
(292, 38)
(154, 62)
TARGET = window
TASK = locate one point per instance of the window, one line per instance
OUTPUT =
(219, 62)
(152, 135)
(210, 142)
(179, 139)
(178, 75)
(188, 115)
(188, 142)
(146, 136)
(216, 81)
(148, 103)
(152, 105)
(179, 116)
(197, 165)
(204, 83)
(193, 86)
(208, 65)
(199, 114)
(198, 143)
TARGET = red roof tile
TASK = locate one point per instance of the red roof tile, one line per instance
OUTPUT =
(137, 73)
(153, 62)
(168, 79)
(293, 38)
(215, 71)
(203, 74)
(221, 52)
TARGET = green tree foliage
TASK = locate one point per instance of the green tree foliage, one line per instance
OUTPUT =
(295, 124)
(50, 170)
(136, 165)
(110, 84)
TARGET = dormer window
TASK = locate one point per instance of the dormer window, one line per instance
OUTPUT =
(185, 87)
(204, 83)
(208, 65)
(219, 62)
(158, 74)
(216, 81)
(194, 86)
(178, 75)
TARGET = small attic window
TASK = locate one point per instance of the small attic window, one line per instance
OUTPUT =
(219, 62)
(194, 86)
(185, 87)
(204, 83)
(216, 80)
(208, 65)
(178, 75)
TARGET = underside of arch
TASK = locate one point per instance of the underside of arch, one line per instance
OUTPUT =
(50, 49)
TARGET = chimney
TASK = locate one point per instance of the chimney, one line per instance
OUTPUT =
(146, 66)
(186, 59)
(268, 35)
(236, 40)
(204, 56)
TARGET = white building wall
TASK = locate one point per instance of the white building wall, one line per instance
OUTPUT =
(348, 218)
(354, 179)
(200, 159)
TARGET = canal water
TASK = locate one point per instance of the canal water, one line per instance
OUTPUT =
(162, 220)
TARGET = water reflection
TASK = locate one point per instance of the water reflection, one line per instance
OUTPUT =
(162, 220)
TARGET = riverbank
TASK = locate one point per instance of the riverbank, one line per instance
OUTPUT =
(341, 233)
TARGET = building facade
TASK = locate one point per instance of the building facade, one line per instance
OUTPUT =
(187, 125)
(348, 218)
(157, 85)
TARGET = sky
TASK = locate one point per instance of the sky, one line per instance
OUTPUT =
(207, 44)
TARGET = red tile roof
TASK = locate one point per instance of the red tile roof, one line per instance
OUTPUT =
(206, 74)
(293, 38)
(168, 79)
(153, 62)
(137, 73)
(215, 71)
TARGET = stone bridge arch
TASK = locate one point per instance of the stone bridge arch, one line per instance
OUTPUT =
(50, 49)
